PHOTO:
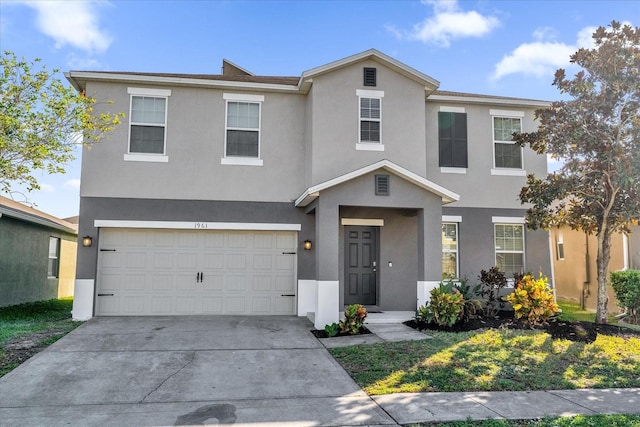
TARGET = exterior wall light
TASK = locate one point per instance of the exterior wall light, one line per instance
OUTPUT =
(307, 245)
(87, 241)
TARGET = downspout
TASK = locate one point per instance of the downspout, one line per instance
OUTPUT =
(587, 276)
(553, 270)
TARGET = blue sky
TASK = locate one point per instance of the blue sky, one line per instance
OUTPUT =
(508, 48)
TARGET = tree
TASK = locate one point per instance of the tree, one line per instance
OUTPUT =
(597, 134)
(41, 121)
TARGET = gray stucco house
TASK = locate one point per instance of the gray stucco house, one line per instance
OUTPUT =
(358, 181)
(37, 254)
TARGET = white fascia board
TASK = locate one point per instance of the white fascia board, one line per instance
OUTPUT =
(36, 220)
(483, 100)
(180, 81)
(196, 225)
(313, 192)
(378, 56)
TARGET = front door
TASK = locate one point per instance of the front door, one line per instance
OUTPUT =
(360, 265)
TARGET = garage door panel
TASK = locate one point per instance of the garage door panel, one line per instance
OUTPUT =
(157, 272)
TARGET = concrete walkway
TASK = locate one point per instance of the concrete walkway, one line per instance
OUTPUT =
(266, 371)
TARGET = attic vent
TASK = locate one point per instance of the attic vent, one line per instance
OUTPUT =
(369, 76)
(382, 185)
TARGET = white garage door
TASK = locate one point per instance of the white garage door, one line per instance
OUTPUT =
(181, 272)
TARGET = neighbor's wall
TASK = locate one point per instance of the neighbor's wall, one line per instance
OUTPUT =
(576, 275)
(24, 257)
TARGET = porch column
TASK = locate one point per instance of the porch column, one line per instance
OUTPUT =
(429, 255)
(327, 227)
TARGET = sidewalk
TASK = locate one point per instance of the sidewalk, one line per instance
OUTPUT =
(408, 408)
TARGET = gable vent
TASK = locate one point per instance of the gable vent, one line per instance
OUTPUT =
(369, 76)
(382, 185)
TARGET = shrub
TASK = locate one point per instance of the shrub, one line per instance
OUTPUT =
(331, 330)
(626, 285)
(471, 305)
(445, 308)
(354, 316)
(532, 300)
(491, 283)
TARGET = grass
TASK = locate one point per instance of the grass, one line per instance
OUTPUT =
(577, 421)
(572, 312)
(492, 360)
(49, 320)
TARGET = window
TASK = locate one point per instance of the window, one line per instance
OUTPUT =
(509, 246)
(370, 119)
(508, 154)
(369, 76)
(242, 138)
(559, 247)
(54, 257)
(147, 125)
(450, 249)
(452, 128)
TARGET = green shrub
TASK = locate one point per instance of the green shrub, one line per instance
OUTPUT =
(471, 305)
(354, 316)
(445, 307)
(491, 283)
(331, 330)
(626, 285)
(532, 300)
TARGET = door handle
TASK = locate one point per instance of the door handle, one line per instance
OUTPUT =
(201, 277)
(198, 277)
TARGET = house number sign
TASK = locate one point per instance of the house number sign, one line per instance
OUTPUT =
(201, 225)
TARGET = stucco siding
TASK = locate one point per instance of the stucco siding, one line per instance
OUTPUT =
(195, 135)
(476, 245)
(24, 256)
(478, 187)
(335, 122)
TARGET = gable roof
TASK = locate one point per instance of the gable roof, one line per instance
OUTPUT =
(19, 211)
(312, 193)
(430, 84)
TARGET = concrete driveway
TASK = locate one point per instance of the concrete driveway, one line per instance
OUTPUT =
(204, 370)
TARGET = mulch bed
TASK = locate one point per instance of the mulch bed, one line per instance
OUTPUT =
(319, 333)
(573, 331)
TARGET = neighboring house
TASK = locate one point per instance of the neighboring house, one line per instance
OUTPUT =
(205, 201)
(37, 255)
(574, 264)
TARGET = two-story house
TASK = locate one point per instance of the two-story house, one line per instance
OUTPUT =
(356, 182)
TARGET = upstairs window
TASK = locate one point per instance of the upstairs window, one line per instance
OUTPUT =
(53, 267)
(242, 135)
(148, 121)
(370, 120)
(507, 154)
(452, 128)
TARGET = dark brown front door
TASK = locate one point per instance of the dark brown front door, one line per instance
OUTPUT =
(360, 264)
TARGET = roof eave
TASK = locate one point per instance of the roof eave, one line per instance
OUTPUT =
(489, 100)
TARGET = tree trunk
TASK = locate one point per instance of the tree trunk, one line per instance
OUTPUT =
(602, 266)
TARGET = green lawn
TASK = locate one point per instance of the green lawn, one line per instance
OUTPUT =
(578, 421)
(571, 311)
(492, 360)
(46, 321)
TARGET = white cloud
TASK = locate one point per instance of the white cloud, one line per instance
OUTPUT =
(73, 23)
(448, 22)
(543, 56)
(79, 62)
(47, 188)
(73, 184)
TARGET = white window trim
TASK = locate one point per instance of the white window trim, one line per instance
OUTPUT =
(56, 257)
(370, 222)
(239, 160)
(448, 109)
(457, 251)
(449, 169)
(507, 220)
(153, 93)
(524, 246)
(141, 157)
(451, 218)
(559, 241)
(509, 114)
(369, 146)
